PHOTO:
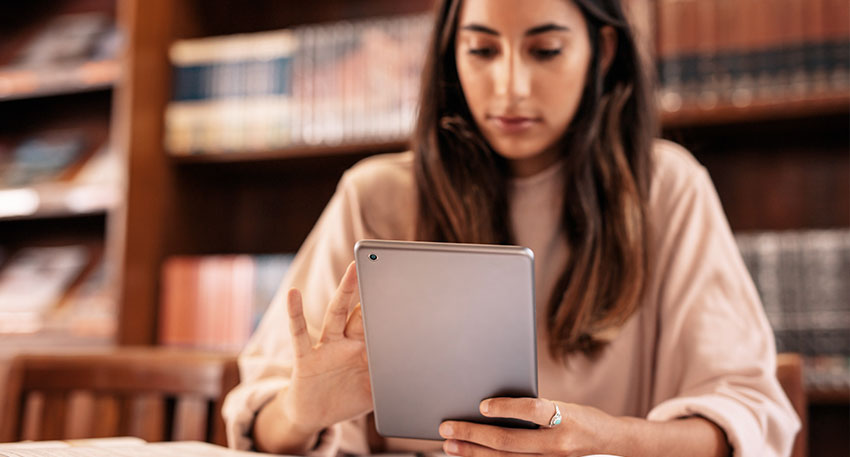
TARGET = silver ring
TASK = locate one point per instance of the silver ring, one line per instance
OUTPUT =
(556, 418)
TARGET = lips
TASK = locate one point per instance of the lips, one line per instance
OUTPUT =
(513, 124)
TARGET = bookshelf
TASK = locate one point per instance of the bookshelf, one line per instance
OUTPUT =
(765, 110)
(60, 176)
(778, 162)
(59, 173)
(759, 91)
(87, 76)
(258, 202)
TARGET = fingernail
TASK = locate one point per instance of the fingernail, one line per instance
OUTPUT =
(451, 447)
(446, 430)
(485, 407)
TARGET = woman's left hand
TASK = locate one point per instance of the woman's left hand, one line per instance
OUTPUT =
(583, 430)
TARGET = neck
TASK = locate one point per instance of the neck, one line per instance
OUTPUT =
(530, 166)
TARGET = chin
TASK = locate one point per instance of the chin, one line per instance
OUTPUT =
(518, 149)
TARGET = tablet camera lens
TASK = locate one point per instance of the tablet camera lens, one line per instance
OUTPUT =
(373, 257)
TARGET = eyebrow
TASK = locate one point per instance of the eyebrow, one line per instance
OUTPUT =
(550, 27)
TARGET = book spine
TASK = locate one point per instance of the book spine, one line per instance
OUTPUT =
(764, 41)
(179, 303)
(244, 273)
(298, 77)
(688, 38)
(336, 130)
(745, 43)
(310, 117)
(357, 74)
(837, 40)
(208, 305)
(706, 54)
(669, 66)
(794, 50)
(814, 49)
(321, 84)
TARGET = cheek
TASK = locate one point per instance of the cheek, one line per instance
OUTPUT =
(563, 90)
(562, 93)
(475, 83)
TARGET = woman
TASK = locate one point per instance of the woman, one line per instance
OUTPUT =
(536, 128)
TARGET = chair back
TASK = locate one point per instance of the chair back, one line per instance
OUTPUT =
(153, 393)
(789, 371)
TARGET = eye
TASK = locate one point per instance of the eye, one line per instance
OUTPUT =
(485, 52)
(546, 54)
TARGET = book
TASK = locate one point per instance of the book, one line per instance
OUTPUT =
(34, 281)
(90, 309)
(827, 373)
(119, 447)
(72, 52)
(801, 277)
(136, 447)
(269, 273)
(319, 84)
(216, 302)
(69, 38)
(43, 157)
(836, 34)
(743, 52)
(56, 172)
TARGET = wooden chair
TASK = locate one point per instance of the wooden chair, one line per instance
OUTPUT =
(155, 394)
(789, 371)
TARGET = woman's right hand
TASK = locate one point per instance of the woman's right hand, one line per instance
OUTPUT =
(330, 380)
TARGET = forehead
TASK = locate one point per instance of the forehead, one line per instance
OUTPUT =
(516, 16)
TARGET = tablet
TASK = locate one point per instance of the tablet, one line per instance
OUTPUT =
(447, 325)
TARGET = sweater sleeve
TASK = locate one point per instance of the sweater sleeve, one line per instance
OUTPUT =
(716, 356)
(265, 364)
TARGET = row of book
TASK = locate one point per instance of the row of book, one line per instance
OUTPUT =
(56, 288)
(739, 52)
(357, 81)
(327, 84)
(216, 302)
(55, 172)
(71, 52)
(46, 156)
(802, 278)
(827, 372)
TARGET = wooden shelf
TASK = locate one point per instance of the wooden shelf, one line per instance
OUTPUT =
(758, 111)
(56, 200)
(828, 396)
(298, 152)
(21, 83)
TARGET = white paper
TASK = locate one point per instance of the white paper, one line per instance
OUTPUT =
(119, 449)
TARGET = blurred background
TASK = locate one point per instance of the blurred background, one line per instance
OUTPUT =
(162, 160)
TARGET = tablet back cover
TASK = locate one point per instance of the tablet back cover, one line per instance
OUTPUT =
(447, 325)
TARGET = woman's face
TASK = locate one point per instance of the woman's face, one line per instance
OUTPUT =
(522, 67)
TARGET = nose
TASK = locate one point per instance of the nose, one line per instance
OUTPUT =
(513, 77)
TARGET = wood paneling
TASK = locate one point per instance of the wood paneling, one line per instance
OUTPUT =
(145, 221)
(777, 175)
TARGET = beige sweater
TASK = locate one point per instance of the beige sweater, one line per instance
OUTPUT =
(699, 344)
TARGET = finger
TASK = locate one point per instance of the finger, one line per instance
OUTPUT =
(537, 410)
(456, 447)
(354, 327)
(337, 313)
(297, 324)
(498, 438)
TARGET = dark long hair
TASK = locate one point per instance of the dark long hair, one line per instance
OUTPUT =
(462, 183)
